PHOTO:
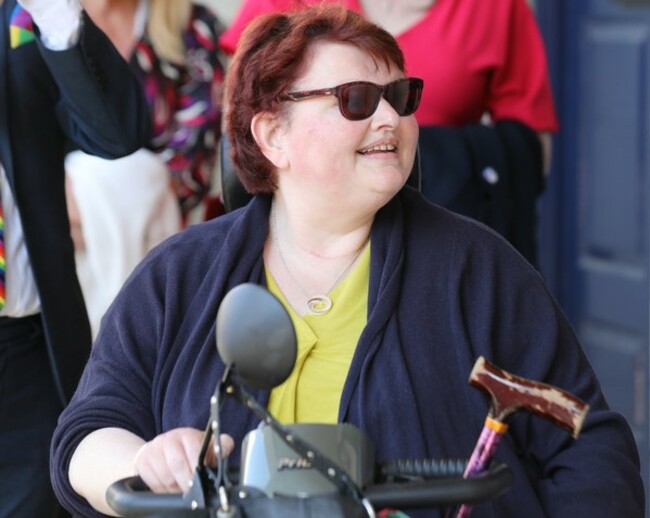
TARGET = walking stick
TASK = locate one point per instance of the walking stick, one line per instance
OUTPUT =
(508, 394)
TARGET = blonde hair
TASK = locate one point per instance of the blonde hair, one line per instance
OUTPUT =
(165, 26)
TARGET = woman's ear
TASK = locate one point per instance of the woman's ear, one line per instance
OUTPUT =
(268, 130)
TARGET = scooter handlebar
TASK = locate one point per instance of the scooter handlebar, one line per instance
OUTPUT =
(132, 498)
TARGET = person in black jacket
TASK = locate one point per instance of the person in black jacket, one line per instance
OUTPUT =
(61, 82)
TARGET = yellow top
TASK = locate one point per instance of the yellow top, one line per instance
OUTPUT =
(326, 344)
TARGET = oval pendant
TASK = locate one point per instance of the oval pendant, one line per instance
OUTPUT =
(319, 304)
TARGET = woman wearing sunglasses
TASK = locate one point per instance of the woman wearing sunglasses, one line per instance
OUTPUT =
(392, 298)
(487, 113)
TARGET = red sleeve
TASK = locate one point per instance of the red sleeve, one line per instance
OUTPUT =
(520, 87)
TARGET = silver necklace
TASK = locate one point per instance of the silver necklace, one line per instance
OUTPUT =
(316, 304)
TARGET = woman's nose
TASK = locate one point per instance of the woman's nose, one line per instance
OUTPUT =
(385, 114)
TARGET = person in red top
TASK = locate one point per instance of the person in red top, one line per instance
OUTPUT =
(480, 60)
(475, 56)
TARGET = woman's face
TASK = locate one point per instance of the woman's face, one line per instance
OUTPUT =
(336, 161)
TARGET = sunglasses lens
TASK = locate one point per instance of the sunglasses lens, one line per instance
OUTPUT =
(404, 96)
(359, 101)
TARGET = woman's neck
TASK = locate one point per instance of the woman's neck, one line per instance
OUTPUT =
(322, 236)
(396, 16)
(116, 18)
(308, 258)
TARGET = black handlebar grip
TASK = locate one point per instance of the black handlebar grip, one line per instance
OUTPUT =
(422, 468)
(441, 491)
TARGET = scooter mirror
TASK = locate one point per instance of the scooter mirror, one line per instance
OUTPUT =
(255, 336)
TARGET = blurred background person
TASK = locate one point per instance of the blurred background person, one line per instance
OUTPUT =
(60, 80)
(172, 47)
(121, 209)
(487, 113)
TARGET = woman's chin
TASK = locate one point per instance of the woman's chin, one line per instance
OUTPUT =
(383, 192)
(390, 181)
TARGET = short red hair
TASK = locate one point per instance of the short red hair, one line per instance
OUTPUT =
(270, 57)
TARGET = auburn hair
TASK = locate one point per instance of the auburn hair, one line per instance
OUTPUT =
(271, 55)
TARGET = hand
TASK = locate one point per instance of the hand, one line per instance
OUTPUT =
(545, 139)
(59, 21)
(76, 230)
(37, 5)
(167, 463)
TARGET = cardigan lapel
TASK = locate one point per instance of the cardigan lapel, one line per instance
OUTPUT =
(5, 150)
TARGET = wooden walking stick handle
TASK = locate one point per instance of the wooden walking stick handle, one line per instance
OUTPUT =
(509, 393)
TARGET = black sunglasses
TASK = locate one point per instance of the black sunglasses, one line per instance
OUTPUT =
(359, 100)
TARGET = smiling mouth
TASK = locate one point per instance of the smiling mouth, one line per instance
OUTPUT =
(384, 148)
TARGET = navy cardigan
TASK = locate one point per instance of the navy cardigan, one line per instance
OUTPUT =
(443, 290)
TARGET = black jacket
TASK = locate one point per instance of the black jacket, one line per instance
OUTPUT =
(86, 94)
(490, 173)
